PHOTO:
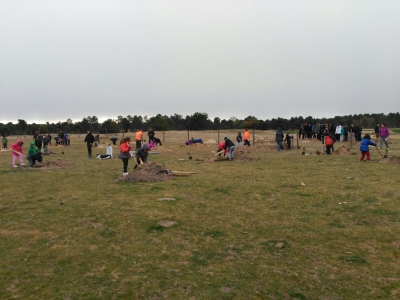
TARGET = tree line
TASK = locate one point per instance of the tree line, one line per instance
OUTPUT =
(197, 121)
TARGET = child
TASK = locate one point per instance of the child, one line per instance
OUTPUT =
(239, 140)
(17, 147)
(151, 145)
(221, 147)
(229, 146)
(144, 143)
(124, 154)
(141, 155)
(364, 147)
(45, 145)
(34, 155)
(288, 140)
(328, 144)
(4, 142)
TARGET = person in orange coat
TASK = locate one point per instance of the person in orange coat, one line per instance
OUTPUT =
(138, 139)
(246, 137)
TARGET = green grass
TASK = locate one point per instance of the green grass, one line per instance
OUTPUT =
(244, 230)
(395, 130)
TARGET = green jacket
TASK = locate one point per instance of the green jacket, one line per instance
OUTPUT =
(32, 148)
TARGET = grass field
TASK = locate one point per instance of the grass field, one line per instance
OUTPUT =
(244, 230)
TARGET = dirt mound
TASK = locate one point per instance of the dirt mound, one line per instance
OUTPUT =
(241, 155)
(391, 160)
(149, 172)
(52, 164)
(341, 151)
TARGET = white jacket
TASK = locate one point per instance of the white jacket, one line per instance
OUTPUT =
(338, 129)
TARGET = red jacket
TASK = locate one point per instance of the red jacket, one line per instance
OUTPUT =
(328, 141)
(125, 147)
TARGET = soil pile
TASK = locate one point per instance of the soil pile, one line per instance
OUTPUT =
(149, 172)
(391, 160)
(52, 164)
(241, 155)
(341, 151)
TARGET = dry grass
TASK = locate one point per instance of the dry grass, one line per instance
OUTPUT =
(237, 230)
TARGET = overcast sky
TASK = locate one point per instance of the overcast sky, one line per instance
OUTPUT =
(73, 59)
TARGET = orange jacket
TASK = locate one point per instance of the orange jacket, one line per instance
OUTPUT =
(246, 136)
(138, 136)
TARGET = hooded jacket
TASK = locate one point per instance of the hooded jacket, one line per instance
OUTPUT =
(17, 147)
(32, 148)
(384, 132)
(142, 154)
(365, 143)
(279, 135)
(89, 139)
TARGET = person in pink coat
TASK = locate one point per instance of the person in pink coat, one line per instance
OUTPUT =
(17, 146)
(221, 147)
(151, 145)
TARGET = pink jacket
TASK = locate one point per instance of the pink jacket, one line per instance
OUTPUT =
(17, 147)
(151, 145)
(384, 132)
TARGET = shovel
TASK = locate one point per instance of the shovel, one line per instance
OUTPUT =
(379, 151)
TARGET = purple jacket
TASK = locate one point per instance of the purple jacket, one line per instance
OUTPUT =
(384, 132)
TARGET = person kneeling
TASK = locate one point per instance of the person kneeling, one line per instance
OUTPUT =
(34, 155)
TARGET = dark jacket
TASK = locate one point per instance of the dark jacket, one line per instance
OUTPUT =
(279, 135)
(89, 138)
(142, 154)
(228, 143)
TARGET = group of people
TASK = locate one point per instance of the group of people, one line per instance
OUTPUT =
(125, 154)
(34, 154)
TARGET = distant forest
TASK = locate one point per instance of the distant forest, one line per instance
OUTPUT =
(197, 121)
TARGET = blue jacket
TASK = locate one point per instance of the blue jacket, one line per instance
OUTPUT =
(365, 143)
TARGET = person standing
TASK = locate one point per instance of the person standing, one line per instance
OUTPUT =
(279, 136)
(246, 137)
(376, 129)
(239, 140)
(138, 138)
(4, 140)
(364, 147)
(230, 146)
(89, 140)
(124, 154)
(338, 132)
(288, 140)
(16, 151)
(328, 144)
(383, 136)
(151, 134)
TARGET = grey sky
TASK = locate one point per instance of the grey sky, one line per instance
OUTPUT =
(70, 59)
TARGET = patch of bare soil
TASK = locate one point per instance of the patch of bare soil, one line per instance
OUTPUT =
(167, 223)
(52, 164)
(160, 149)
(210, 141)
(148, 172)
(241, 155)
(391, 160)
